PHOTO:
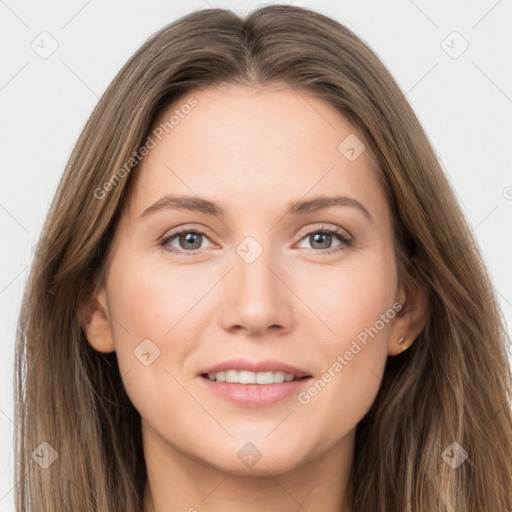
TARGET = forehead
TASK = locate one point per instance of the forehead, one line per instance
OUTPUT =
(256, 119)
(245, 144)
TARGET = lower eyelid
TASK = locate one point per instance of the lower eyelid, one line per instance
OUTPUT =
(343, 244)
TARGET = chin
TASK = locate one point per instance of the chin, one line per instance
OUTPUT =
(257, 457)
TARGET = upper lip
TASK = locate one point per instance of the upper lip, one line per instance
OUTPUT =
(255, 366)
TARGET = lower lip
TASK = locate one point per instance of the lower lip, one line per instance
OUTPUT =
(255, 395)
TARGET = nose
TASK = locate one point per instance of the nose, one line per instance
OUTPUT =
(257, 298)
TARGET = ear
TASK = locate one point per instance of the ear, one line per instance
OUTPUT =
(93, 315)
(412, 318)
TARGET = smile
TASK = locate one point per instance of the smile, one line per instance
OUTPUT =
(248, 377)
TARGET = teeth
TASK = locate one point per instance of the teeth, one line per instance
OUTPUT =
(247, 377)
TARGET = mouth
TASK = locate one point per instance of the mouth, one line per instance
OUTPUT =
(254, 384)
(247, 377)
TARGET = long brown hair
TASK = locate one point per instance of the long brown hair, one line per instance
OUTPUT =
(451, 386)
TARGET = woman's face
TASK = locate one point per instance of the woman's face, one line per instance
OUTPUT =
(269, 276)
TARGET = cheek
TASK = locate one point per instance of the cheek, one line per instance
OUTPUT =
(152, 300)
(355, 302)
(350, 296)
(151, 327)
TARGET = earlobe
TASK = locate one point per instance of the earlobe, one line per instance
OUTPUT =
(94, 318)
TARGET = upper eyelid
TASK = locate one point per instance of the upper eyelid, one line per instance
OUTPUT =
(326, 227)
(172, 233)
(307, 230)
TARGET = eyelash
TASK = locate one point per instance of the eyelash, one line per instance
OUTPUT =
(345, 240)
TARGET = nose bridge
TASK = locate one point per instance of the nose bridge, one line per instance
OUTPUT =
(257, 298)
(253, 277)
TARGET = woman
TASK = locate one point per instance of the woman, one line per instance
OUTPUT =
(330, 340)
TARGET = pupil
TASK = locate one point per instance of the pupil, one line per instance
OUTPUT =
(325, 236)
(191, 238)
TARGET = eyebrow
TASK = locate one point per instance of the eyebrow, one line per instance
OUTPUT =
(196, 204)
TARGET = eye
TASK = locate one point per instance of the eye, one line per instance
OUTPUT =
(322, 238)
(188, 240)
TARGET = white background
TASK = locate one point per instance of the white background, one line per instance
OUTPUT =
(464, 103)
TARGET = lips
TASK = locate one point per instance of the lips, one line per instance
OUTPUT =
(253, 383)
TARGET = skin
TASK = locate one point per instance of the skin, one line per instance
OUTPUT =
(253, 151)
